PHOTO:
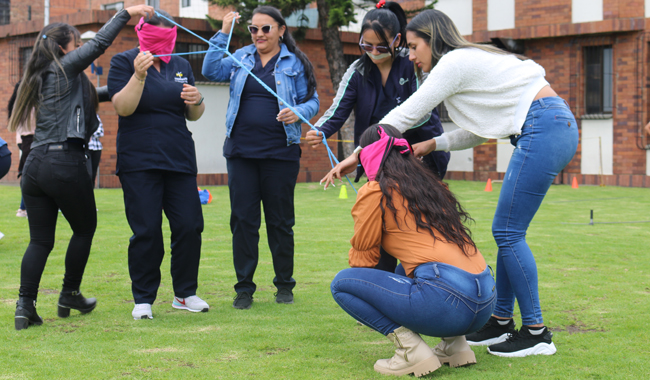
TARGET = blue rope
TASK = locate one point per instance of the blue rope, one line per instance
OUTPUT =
(330, 154)
(188, 53)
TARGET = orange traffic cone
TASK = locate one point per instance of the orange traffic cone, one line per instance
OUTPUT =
(488, 186)
(574, 183)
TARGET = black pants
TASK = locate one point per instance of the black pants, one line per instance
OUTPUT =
(95, 156)
(5, 160)
(52, 180)
(146, 195)
(272, 182)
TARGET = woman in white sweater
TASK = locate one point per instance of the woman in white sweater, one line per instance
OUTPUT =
(492, 94)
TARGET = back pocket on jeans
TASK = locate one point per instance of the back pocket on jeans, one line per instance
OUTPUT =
(67, 172)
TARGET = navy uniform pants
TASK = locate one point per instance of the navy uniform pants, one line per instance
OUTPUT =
(272, 183)
(147, 194)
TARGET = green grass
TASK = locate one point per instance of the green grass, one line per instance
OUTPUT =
(594, 285)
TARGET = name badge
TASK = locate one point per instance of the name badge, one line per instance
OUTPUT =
(180, 78)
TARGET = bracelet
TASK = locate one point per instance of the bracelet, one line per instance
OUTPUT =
(357, 150)
(200, 101)
(141, 80)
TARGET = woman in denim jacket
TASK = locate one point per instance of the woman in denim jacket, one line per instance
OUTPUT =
(262, 143)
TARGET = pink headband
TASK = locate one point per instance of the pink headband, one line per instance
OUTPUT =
(372, 156)
(155, 39)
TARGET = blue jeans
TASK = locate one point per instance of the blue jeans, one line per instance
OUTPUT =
(441, 300)
(546, 145)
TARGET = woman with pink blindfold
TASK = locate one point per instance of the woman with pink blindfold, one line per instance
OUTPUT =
(442, 287)
(156, 163)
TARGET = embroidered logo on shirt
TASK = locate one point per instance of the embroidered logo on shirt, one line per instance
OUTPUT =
(402, 81)
(399, 99)
(180, 78)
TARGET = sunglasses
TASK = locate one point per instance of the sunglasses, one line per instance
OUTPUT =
(266, 29)
(380, 49)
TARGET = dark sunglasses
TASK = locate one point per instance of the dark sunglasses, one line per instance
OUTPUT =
(266, 29)
(380, 49)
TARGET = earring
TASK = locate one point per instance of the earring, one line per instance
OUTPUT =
(281, 38)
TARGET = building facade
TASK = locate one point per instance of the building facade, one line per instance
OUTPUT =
(595, 53)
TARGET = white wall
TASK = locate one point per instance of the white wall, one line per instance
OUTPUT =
(460, 12)
(587, 10)
(500, 14)
(461, 160)
(197, 9)
(209, 132)
(647, 8)
(591, 151)
(504, 152)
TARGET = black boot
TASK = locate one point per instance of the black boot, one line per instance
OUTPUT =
(74, 300)
(26, 313)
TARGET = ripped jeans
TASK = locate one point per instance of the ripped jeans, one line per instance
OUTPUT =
(441, 300)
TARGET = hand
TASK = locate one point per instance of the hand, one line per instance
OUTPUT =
(190, 94)
(313, 138)
(287, 116)
(344, 167)
(142, 63)
(228, 20)
(424, 148)
(143, 10)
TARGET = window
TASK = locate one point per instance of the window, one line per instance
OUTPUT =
(29, 13)
(113, 6)
(185, 3)
(23, 58)
(196, 60)
(443, 113)
(5, 12)
(598, 80)
(154, 3)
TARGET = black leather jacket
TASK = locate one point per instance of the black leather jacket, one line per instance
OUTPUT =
(62, 114)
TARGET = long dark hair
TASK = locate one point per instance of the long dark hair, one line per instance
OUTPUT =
(389, 18)
(442, 35)
(433, 205)
(12, 100)
(288, 40)
(47, 49)
(160, 21)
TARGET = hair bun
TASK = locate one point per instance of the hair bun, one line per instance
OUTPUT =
(381, 4)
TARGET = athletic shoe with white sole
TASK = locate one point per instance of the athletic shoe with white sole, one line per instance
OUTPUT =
(21, 213)
(191, 303)
(142, 311)
(491, 333)
(522, 343)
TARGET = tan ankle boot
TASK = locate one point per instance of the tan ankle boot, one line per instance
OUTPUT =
(412, 355)
(454, 351)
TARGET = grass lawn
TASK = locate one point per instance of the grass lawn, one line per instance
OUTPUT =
(594, 285)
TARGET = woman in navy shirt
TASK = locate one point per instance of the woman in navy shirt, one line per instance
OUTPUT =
(262, 145)
(156, 163)
(375, 84)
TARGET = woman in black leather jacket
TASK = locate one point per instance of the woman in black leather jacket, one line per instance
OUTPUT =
(56, 175)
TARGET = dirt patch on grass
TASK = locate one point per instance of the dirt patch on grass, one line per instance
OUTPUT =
(159, 349)
(277, 351)
(577, 328)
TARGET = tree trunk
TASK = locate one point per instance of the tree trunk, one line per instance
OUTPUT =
(337, 65)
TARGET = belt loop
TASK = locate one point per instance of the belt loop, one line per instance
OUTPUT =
(435, 269)
(541, 102)
(478, 285)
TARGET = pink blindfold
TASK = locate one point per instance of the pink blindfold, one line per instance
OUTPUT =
(155, 39)
(372, 156)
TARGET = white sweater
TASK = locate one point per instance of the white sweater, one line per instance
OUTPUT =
(486, 94)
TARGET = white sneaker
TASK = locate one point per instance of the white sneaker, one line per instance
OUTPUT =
(21, 213)
(142, 311)
(191, 303)
(2, 235)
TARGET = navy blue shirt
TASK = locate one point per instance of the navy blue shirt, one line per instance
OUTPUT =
(386, 96)
(155, 136)
(256, 132)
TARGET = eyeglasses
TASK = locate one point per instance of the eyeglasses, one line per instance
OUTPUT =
(380, 49)
(266, 29)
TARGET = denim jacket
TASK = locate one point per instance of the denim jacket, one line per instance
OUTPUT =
(291, 83)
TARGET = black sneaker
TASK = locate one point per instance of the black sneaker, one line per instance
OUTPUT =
(491, 333)
(284, 296)
(523, 343)
(243, 300)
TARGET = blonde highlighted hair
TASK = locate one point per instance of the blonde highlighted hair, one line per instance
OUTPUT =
(442, 35)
